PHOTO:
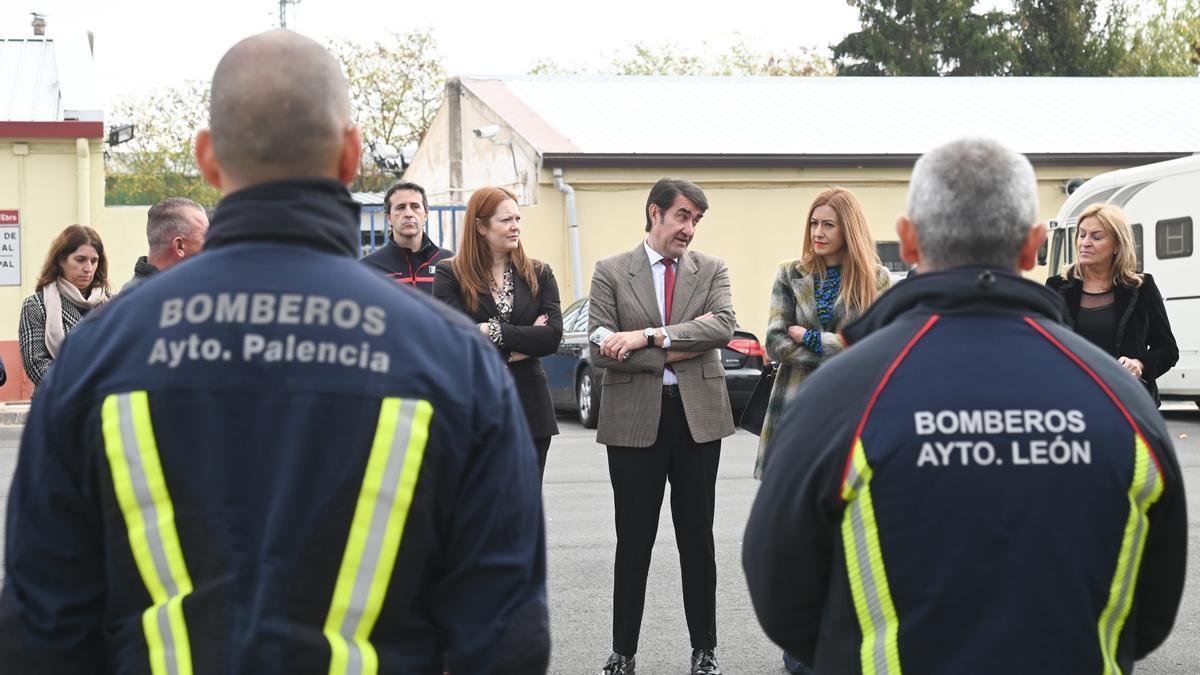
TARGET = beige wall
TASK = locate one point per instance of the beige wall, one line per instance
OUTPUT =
(43, 185)
(753, 222)
(484, 162)
(123, 230)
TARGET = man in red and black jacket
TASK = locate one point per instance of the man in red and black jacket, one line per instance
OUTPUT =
(410, 257)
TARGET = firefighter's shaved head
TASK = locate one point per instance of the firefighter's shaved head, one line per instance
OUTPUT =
(280, 109)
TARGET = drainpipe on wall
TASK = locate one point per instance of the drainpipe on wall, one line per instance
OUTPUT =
(455, 141)
(83, 159)
(572, 234)
(21, 150)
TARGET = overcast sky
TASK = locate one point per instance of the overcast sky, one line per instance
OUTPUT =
(147, 43)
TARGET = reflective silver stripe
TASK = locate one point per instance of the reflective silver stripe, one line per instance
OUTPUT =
(870, 588)
(141, 488)
(384, 501)
(1139, 532)
(853, 480)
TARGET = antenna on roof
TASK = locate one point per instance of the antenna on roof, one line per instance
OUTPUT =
(283, 12)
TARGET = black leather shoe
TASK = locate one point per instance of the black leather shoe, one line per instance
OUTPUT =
(619, 665)
(704, 662)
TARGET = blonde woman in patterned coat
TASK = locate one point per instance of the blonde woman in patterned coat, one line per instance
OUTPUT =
(835, 279)
(73, 281)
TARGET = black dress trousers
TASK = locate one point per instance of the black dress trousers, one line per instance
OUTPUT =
(639, 478)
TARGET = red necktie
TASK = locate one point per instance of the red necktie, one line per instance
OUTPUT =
(668, 288)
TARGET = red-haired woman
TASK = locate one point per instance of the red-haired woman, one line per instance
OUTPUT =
(73, 281)
(837, 276)
(512, 297)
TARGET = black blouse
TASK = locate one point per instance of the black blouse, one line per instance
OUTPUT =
(1099, 325)
(1142, 330)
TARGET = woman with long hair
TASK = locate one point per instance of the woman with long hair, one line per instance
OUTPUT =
(73, 281)
(1110, 303)
(837, 276)
(512, 297)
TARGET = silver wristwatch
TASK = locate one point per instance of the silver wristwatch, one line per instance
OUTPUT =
(650, 334)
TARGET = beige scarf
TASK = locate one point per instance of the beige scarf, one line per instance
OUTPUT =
(52, 295)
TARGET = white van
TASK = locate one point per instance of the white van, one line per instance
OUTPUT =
(1162, 202)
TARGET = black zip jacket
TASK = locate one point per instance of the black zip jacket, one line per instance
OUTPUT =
(142, 270)
(269, 461)
(406, 267)
(970, 488)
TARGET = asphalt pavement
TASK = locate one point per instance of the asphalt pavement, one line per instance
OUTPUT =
(581, 541)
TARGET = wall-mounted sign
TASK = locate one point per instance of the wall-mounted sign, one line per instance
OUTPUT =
(10, 247)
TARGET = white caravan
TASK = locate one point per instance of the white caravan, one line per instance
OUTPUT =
(1162, 202)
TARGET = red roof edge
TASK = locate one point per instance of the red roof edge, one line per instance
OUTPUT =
(64, 129)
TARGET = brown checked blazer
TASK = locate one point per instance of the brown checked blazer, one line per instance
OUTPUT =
(623, 299)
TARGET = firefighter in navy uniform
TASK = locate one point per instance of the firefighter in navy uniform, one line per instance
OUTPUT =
(971, 487)
(264, 462)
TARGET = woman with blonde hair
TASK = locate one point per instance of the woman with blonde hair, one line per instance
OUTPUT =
(1110, 303)
(73, 281)
(512, 297)
(836, 278)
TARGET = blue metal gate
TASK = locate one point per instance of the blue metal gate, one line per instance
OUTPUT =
(442, 226)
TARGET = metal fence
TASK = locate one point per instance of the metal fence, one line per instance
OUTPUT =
(442, 226)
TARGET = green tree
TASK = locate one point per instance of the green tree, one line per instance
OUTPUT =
(1070, 37)
(159, 162)
(667, 59)
(1167, 43)
(925, 38)
(671, 59)
(396, 87)
(741, 59)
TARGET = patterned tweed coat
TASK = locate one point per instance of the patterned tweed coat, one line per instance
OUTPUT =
(794, 303)
(31, 332)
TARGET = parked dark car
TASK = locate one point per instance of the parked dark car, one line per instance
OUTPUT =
(575, 382)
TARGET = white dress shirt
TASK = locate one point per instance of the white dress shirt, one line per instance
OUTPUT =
(659, 272)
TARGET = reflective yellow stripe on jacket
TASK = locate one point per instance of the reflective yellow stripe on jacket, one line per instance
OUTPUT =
(877, 618)
(1144, 489)
(375, 533)
(150, 521)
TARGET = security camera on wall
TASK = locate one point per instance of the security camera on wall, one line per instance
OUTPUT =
(488, 131)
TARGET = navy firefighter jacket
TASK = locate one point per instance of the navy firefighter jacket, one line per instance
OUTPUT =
(970, 488)
(265, 460)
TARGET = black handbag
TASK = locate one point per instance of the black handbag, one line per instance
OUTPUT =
(756, 408)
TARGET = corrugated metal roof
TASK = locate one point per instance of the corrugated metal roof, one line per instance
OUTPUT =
(368, 198)
(29, 84)
(845, 116)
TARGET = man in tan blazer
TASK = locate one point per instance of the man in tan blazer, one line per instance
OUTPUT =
(664, 410)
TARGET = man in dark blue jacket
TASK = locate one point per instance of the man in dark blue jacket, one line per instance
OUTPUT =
(971, 487)
(265, 461)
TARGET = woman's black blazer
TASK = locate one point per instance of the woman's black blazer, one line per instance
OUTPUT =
(520, 335)
(1143, 331)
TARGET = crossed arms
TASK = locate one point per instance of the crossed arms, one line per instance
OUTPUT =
(627, 350)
